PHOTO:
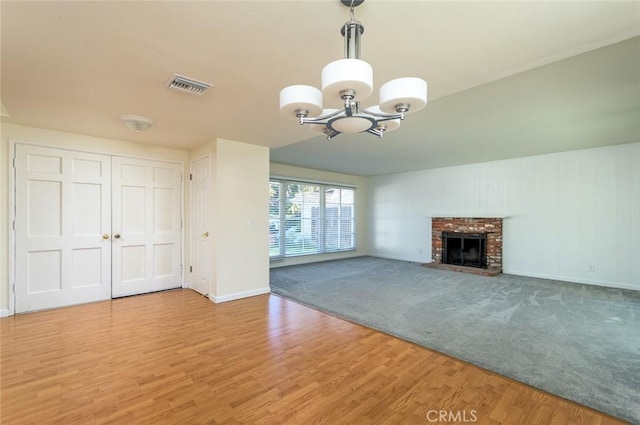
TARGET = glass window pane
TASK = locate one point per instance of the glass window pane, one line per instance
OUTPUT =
(274, 219)
(302, 219)
(339, 219)
(302, 222)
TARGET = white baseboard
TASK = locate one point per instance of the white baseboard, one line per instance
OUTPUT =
(239, 295)
(593, 282)
(4, 312)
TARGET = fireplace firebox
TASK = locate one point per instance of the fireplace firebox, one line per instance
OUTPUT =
(464, 249)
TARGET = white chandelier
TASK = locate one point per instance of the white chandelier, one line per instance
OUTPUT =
(345, 82)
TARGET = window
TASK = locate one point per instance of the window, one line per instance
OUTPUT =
(308, 218)
(339, 231)
(274, 219)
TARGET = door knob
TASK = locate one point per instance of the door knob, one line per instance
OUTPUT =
(116, 236)
(105, 236)
(205, 235)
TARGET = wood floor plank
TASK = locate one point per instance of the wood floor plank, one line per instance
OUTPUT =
(176, 358)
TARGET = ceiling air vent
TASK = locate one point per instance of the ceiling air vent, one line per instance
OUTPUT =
(187, 85)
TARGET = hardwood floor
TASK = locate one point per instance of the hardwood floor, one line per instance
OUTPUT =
(176, 358)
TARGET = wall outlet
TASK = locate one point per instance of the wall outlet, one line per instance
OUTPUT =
(592, 268)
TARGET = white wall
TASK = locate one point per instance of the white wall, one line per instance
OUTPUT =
(308, 174)
(571, 216)
(62, 140)
(240, 175)
(241, 220)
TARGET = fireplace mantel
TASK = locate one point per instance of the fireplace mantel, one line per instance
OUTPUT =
(502, 217)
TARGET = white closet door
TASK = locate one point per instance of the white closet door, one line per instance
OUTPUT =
(199, 269)
(63, 222)
(146, 226)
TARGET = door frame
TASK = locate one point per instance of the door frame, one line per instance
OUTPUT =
(11, 232)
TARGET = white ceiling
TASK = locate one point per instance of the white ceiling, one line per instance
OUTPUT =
(506, 79)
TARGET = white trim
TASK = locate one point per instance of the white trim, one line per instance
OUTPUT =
(13, 141)
(616, 285)
(5, 313)
(11, 233)
(303, 180)
(480, 216)
(45, 144)
(239, 295)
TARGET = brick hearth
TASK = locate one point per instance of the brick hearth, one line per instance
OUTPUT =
(492, 226)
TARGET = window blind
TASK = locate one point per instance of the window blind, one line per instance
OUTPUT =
(306, 218)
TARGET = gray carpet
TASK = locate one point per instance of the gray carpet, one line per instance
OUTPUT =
(577, 341)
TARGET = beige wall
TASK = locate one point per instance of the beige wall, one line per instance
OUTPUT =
(239, 204)
(242, 219)
(238, 218)
(281, 170)
(17, 133)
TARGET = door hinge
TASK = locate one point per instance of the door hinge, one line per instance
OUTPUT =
(190, 269)
(190, 176)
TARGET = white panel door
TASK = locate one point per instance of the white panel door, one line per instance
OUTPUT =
(199, 269)
(146, 226)
(62, 228)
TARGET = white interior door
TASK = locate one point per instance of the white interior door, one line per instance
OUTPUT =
(146, 226)
(62, 228)
(199, 269)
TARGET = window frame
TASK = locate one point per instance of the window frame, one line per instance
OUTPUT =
(321, 217)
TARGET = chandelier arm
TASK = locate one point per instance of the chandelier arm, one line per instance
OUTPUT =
(322, 119)
(332, 133)
(395, 116)
(391, 117)
(376, 132)
(385, 117)
(313, 121)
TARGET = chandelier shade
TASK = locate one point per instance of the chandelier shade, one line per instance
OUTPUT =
(403, 91)
(345, 83)
(347, 74)
(352, 125)
(301, 97)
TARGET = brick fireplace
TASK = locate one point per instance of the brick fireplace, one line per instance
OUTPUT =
(454, 231)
